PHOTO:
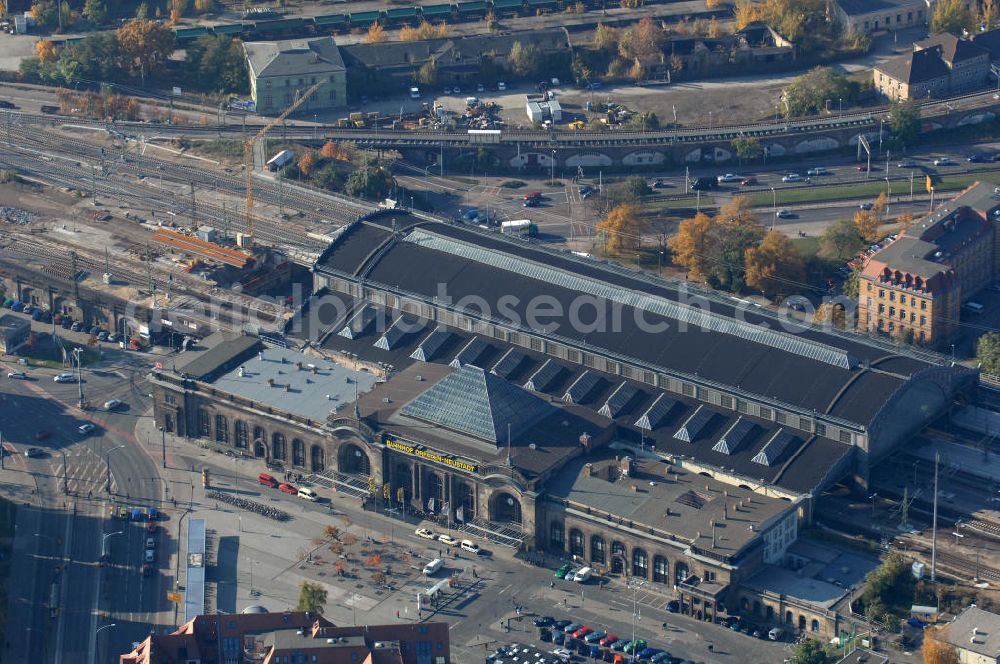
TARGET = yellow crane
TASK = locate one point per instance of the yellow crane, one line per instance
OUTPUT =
(248, 153)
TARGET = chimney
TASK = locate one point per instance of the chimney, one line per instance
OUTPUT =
(588, 469)
(725, 511)
(626, 466)
(270, 382)
(633, 488)
(298, 365)
(288, 387)
(585, 441)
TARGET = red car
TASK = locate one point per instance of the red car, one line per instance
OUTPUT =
(582, 632)
(147, 569)
(533, 196)
(748, 181)
(608, 640)
(864, 167)
(287, 488)
(151, 527)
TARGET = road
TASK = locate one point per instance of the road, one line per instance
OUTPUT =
(60, 536)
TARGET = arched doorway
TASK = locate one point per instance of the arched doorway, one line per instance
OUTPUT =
(435, 493)
(505, 508)
(317, 458)
(352, 460)
(404, 480)
(680, 572)
(617, 558)
(465, 502)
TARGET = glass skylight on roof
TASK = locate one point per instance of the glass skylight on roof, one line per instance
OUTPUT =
(695, 423)
(544, 376)
(774, 448)
(431, 344)
(618, 400)
(395, 333)
(735, 436)
(359, 323)
(656, 413)
(477, 403)
(470, 353)
(509, 363)
(581, 387)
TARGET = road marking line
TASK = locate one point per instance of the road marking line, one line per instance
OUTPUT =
(509, 586)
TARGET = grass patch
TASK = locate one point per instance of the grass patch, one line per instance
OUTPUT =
(220, 148)
(806, 246)
(51, 357)
(689, 203)
(513, 184)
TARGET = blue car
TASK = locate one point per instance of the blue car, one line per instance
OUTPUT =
(647, 652)
(572, 627)
(559, 638)
(661, 657)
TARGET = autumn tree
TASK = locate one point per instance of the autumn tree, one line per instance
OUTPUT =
(905, 220)
(312, 597)
(46, 51)
(379, 578)
(713, 4)
(715, 29)
(428, 73)
(988, 353)
(177, 9)
(951, 16)
(307, 163)
(775, 265)
(690, 247)
(880, 204)
(423, 31)
(44, 13)
(142, 11)
(641, 40)
(621, 228)
(331, 532)
(830, 313)
(852, 284)
(373, 560)
(376, 34)
(937, 651)
(329, 150)
(746, 12)
(737, 229)
(204, 6)
(145, 47)
(523, 59)
(866, 221)
(605, 38)
(95, 11)
(988, 13)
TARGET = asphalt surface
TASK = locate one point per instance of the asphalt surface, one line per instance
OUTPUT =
(60, 535)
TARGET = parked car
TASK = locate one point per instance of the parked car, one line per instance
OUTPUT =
(102, 335)
(267, 480)
(288, 488)
(424, 533)
(594, 637)
(563, 571)
(748, 181)
(470, 546)
(582, 632)
(608, 640)
(673, 606)
(113, 404)
(571, 628)
(447, 539)
(943, 161)
(783, 214)
(729, 177)
(20, 375)
(543, 621)
(86, 429)
(64, 377)
(791, 177)
(308, 494)
(560, 624)
(34, 452)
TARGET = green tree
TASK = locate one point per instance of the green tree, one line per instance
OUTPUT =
(95, 11)
(808, 93)
(44, 13)
(142, 11)
(372, 183)
(890, 585)
(904, 124)
(523, 60)
(951, 16)
(988, 353)
(216, 63)
(841, 240)
(312, 597)
(853, 283)
(646, 121)
(810, 651)
(747, 148)
(635, 186)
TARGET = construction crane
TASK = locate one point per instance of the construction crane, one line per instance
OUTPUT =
(248, 153)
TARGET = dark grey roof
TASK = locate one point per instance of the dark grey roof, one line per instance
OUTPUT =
(953, 49)
(294, 57)
(916, 67)
(12, 322)
(989, 40)
(478, 403)
(222, 351)
(739, 360)
(860, 7)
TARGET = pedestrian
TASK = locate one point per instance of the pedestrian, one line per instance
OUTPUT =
(397, 615)
(552, 584)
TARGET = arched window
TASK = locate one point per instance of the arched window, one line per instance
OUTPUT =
(204, 423)
(258, 434)
(640, 564)
(576, 542)
(680, 572)
(298, 452)
(556, 535)
(788, 617)
(802, 622)
(221, 429)
(316, 458)
(242, 434)
(279, 450)
(597, 549)
(815, 625)
(661, 569)
(617, 549)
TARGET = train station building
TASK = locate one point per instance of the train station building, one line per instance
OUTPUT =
(550, 402)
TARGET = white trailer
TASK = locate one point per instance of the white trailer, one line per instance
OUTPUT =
(516, 226)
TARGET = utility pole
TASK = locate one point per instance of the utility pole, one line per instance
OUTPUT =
(937, 459)
(194, 208)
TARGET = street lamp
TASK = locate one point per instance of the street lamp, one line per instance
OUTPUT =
(635, 585)
(107, 463)
(888, 196)
(873, 497)
(104, 543)
(79, 374)
(552, 169)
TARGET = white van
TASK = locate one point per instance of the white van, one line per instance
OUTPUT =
(308, 494)
(776, 634)
(431, 568)
(974, 307)
(583, 575)
(112, 404)
(470, 546)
